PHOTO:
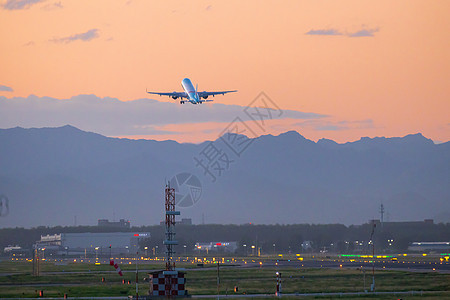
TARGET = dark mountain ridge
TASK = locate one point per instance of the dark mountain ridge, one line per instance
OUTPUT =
(52, 175)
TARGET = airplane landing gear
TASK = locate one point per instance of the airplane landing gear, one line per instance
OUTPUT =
(181, 102)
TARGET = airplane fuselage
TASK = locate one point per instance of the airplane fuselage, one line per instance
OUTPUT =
(190, 91)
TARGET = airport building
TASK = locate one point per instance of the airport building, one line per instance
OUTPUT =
(102, 244)
(15, 251)
(217, 246)
(425, 222)
(121, 224)
(429, 247)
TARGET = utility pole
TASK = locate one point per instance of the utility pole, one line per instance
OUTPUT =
(382, 214)
(218, 280)
(137, 277)
(36, 271)
(364, 278)
(372, 286)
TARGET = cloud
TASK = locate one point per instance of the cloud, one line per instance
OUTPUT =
(20, 4)
(112, 117)
(85, 36)
(209, 7)
(30, 43)
(52, 6)
(4, 88)
(359, 124)
(324, 32)
(363, 33)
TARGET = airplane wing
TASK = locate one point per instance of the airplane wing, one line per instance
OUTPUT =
(174, 95)
(206, 94)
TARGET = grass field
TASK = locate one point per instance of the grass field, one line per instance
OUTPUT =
(85, 279)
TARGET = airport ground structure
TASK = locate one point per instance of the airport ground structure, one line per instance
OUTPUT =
(312, 261)
(102, 244)
(322, 275)
(250, 239)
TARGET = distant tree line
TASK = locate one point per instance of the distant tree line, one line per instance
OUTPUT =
(391, 237)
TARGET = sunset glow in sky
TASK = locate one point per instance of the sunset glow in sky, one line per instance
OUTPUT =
(369, 68)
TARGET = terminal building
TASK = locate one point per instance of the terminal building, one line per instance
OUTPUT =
(101, 244)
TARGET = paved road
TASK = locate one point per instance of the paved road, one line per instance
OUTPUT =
(386, 265)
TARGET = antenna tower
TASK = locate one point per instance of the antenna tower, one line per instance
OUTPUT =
(382, 214)
(170, 227)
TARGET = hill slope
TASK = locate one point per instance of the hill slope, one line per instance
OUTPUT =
(52, 175)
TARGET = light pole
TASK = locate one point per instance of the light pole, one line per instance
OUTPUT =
(278, 291)
(364, 277)
(218, 280)
(96, 254)
(245, 249)
(146, 253)
(185, 250)
(274, 253)
(372, 286)
(137, 294)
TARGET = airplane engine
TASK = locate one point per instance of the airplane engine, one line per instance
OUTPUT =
(205, 97)
(174, 97)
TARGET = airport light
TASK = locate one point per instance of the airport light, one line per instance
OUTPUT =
(278, 289)
(96, 253)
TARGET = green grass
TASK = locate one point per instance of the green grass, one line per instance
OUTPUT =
(300, 280)
(85, 279)
(73, 291)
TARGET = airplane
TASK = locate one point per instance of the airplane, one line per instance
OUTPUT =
(191, 94)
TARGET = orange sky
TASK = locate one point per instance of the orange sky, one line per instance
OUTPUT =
(398, 78)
